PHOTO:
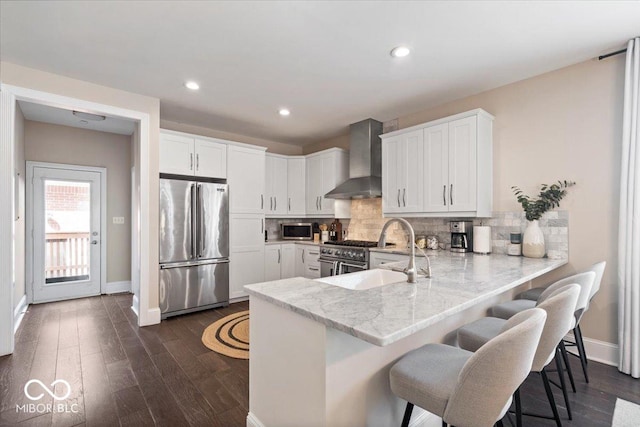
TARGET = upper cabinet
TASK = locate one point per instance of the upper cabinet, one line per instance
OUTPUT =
(246, 173)
(403, 172)
(448, 161)
(325, 171)
(296, 186)
(276, 196)
(181, 154)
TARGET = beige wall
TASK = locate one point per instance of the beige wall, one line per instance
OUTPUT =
(30, 78)
(272, 146)
(561, 125)
(341, 141)
(63, 144)
(19, 240)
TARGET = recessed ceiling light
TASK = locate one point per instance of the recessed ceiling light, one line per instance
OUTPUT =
(88, 116)
(192, 85)
(284, 112)
(400, 51)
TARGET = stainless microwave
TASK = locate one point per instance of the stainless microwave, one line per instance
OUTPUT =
(296, 231)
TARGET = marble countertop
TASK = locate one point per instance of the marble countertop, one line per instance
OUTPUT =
(388, 313)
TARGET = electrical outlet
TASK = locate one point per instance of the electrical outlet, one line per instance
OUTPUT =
(118, 220)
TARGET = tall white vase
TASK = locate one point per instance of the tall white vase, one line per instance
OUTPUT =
(533, 241)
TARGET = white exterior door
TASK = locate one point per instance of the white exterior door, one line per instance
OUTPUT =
(66, 247)
(462, 165)
(436, 168)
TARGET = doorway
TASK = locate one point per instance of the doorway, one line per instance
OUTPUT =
(66, 228)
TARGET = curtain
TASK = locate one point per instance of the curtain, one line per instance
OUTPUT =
(629, 231)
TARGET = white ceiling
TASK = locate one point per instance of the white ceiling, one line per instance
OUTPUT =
(60, 116)
(326, 61)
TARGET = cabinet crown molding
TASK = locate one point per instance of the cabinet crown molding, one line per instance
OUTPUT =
(475, 112)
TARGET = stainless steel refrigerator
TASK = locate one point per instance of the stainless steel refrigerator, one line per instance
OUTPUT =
(194, 245)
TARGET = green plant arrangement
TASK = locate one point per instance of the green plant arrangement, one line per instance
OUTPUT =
(549, 198)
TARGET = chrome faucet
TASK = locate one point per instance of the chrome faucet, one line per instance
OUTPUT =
(411, 271)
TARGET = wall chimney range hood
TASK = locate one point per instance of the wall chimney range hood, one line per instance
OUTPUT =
(365, 163)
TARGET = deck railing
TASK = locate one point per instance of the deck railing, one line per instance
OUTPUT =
(66, 255)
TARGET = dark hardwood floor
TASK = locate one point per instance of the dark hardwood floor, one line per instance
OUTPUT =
(124, 375)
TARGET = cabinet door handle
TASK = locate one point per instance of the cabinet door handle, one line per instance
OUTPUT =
(262, 201)
(444, 195)
(278, 256)
(451, 195)
(289, 203)
(262, 229)
(271, 203)
(404, 197)
(191, 162)
(398, 197)
(318, 203)
(313, 269)
(303, 256)
(320, 197)
(275, 203)
(197, 161)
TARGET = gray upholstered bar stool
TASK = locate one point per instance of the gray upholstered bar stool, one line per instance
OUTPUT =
(469, 389)
(586, 281)
(559, 305)
(534, 293)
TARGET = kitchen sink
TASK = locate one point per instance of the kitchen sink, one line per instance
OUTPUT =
(365, 279)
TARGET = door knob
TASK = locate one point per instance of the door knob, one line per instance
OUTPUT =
(94, 242)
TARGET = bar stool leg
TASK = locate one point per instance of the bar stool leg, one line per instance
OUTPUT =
(407, 415)
(583, 355)
(565, 356)
(552, 401)
(562, 381)
(516, 397)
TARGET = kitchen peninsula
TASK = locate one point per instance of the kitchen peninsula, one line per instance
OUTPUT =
(321, 354)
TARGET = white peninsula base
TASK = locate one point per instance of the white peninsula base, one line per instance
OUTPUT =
(306, 374)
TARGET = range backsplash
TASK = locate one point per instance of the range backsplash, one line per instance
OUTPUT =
(366, 223)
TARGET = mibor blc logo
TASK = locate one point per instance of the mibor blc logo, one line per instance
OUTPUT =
(35, 390)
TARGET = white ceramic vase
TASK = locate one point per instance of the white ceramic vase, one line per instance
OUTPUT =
(533, 241)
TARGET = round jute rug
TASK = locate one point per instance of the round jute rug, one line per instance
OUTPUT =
(229, 335)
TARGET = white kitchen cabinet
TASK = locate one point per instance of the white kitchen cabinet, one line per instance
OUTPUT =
(378, 258)
(246, 179)
(247, 252)
(325, 171)
(307, 262)
(211, 158)
(402, 172)
(456, 167)
(276, 194)
(296, 183)
(184, 154)
(279, 261)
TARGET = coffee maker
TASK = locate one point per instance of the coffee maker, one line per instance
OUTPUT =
(461, 236)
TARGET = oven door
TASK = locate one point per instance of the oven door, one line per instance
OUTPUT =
(328, 267)
(348, 267)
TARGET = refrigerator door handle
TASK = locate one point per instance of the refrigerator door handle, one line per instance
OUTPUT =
(193, 264)
(202, 231)
(193, 222)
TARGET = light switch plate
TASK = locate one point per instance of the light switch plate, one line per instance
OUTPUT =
(118, 220)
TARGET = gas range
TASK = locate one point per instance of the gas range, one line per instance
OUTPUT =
(345, 257)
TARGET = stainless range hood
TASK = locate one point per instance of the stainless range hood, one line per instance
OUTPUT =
(365, 163)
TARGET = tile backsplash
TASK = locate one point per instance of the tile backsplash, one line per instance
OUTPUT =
(366, 223)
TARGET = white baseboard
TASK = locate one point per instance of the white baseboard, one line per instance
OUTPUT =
(19, 312)
(253, 421)
(152, 317)
(238, 299)
(599, 351)
(117, 287)
(135, 305)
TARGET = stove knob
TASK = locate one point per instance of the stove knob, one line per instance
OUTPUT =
(361, 256)
(338, 252)
(350, 254)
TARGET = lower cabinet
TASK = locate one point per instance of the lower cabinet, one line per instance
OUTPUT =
(246, 241)
(306, 262)
(279, 261)
(377, 258)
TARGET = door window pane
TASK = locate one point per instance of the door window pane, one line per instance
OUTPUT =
(67, 230)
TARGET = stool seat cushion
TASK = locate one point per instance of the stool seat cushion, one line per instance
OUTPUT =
(532, 294)
(510, 308)
(427, 376)
(474, 335)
